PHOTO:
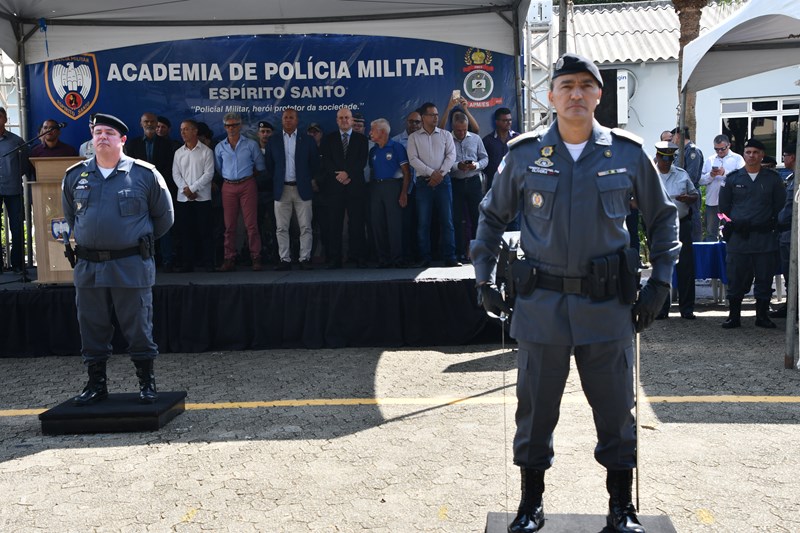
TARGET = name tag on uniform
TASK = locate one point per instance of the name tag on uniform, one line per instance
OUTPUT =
(612, 171)
(740, 186)
(545, 171)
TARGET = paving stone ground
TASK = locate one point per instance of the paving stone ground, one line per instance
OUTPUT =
(417, 461)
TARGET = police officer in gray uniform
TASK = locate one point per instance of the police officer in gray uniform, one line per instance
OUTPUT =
(576, 287)
(116, 207)
(751, 198)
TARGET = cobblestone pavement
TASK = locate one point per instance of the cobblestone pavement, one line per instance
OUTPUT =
(413, 460)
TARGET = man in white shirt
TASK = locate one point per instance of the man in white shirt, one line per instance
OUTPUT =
(192, 171)
(715, 169)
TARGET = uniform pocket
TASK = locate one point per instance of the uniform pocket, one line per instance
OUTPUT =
(129, 203)
(81, 201)
(615, 195)
(540, 194)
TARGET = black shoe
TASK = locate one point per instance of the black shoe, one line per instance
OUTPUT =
(96, 388)
(283, 266)
(147, 381)
(662, 316)
(621, 511)
(167, 268)
(361, 264)
(306, 265)
(423, 264)
(764, 322)
(780, 312)
(762, 315)
(334, 266)
(530, 513)
(385, 265)
(450, 263)
(688, 315)
(732, 323)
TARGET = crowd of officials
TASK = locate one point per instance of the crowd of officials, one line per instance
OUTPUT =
(282, 196)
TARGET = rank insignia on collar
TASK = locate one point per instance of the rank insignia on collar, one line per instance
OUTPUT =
(537, 200)
(84, 174)
(546, 151)
(543, 162)
(607, 153)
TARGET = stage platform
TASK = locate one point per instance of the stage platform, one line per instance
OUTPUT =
(245, 310)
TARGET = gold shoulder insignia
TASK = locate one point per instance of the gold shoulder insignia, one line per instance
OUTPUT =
(522, 139)
(625, 134)
(145, 164)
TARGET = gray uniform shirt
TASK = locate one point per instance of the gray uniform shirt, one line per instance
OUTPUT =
(573, 212)
(112, 214)
(757, 202)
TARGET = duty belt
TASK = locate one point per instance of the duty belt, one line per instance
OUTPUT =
(562, 284)
(98, 256)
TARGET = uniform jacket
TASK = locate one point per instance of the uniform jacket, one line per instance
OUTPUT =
(756, 202)
(333, 160)
(306, 163)
(112, 214)
(574, 211)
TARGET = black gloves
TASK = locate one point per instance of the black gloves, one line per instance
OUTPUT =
(648, 305)
(492, 301)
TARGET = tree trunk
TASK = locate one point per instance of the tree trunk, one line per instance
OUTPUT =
(689, 12)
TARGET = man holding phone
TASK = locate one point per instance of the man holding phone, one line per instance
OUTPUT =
(471, 159)
(716, 167)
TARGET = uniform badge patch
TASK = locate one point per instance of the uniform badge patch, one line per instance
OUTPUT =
(543, 162)
(84, 175)
(388, 156)
(537, 200)
(546, 151)
(694, 155)
(83, 181)
(607, 153)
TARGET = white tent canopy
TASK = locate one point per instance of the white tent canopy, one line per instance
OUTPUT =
(81, 26)
(764, 35)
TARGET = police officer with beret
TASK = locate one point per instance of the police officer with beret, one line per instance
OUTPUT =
(576, 287)
(116, 207)
(751, 198)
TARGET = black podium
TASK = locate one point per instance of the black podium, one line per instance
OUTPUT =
(119, 413)
(569, 523)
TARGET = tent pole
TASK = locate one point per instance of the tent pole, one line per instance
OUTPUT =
(792, 293)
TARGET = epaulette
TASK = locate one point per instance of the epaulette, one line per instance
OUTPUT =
(521, 139)
(145, 164)
(625, 134)
(76, 165)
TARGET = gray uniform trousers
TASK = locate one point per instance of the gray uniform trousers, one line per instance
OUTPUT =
(134, 311)
(606, 372)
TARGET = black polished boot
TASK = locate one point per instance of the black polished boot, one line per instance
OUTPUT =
(762, 315)
(147, 381)
(621, 511)
(96, 388)
(734, 314)
(530, 515)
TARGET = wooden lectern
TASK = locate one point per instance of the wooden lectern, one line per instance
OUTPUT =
(48, 219)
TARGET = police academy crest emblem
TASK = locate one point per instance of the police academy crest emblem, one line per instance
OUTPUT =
(72, 84)
(537, 200)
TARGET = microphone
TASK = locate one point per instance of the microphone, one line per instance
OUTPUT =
(62, 125)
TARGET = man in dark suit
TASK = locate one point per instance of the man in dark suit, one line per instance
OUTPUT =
(160, 152)
(344, 156)
(292, 187)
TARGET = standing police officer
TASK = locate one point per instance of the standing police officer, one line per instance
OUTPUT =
(574, 184)
(751, 198)
(116, 207)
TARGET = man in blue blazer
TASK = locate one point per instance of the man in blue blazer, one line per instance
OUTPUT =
(292, 163)
(344, 156)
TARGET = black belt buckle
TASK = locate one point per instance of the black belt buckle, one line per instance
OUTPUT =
(571, 286)
(104, 255)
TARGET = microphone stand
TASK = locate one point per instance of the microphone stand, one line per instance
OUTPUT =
(25, 212)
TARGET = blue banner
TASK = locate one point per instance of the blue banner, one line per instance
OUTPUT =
(260, 76)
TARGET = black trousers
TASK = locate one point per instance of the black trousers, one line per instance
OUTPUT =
(467, 196)
(193, 221)
(353, 202)
(744, 269)
(684, 269)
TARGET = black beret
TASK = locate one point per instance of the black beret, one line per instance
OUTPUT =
(666, 150)
(164, 120)
(101, 119)
(790, 148)
(204, 131)
(265, 124)
(573, 63)
(685, 133)
(755, 143)
(358, 117)
(314, 126)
